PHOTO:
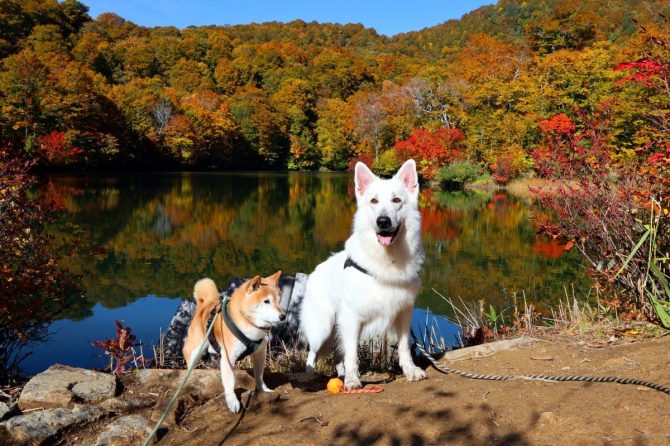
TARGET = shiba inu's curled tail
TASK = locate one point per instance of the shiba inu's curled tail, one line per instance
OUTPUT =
(205, 293)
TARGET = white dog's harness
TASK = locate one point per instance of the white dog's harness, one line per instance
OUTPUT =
(350, 262)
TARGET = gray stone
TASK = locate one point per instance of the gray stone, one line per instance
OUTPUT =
(61, 385)
(131, 429)
(35, 427)
(4, 410)
(123, 405)
(202, 383)
(480, 351)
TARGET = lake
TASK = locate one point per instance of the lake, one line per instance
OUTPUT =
(144, 239)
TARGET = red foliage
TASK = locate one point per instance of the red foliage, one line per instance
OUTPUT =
(431, 149)
(550, 247)
(33, 288)
(504, 170)
(645, 71)
(560, 124)
(56, 150)
(363, 157)
(574, 148)
(119, 349)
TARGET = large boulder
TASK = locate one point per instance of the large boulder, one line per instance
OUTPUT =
(37, 427)
(60, 385)
(202, 384)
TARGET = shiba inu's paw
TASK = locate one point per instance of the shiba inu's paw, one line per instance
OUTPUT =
(414, 373)
(264, 388)
(352, 382)
(233, 404)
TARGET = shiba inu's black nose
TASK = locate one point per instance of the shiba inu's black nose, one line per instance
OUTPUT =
(282, 317)
(384, 222)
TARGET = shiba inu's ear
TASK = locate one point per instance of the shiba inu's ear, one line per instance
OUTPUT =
(408, 177)
(363, 177)
(273, 279)
(254, 284)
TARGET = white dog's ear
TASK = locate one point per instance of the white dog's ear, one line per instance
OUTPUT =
(408, 177)
(363, 177)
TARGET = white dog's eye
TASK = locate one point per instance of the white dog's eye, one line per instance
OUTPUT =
(396, 200)
(374, 201)
(266, 301)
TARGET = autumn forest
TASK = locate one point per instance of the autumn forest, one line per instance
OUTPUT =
(78, 92)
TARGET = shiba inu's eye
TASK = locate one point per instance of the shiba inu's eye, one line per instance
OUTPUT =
(374, 201)
(266, 301)
(396, 200)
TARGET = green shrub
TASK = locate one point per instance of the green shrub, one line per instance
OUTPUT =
(388, 163)
(458, 173)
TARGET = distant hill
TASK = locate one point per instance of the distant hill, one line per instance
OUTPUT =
(104, 92)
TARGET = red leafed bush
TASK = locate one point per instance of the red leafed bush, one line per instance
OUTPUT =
(431, 150)
(575, 148)
(504, 170)
(120, 349)
(646, 71)
(363, 157)
(33, 288)
(56, 150)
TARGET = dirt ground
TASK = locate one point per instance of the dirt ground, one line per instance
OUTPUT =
(447, 409)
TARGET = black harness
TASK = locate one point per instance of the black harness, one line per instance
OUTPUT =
(350, 262)
(250, 345)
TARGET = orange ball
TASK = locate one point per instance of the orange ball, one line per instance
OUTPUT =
(335, 385)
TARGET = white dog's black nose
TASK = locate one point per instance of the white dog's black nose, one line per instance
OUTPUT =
(384, 222)
(282, 317)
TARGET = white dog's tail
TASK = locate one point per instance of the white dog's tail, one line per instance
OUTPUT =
(205, 293)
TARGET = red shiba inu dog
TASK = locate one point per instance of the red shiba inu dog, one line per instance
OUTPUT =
(241, 326)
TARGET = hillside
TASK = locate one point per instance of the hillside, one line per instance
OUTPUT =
(104, 92)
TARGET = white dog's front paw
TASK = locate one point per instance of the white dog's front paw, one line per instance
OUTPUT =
(414, 373)
(352, 382)
(233, 403)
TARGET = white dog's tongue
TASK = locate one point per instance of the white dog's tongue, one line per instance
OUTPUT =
(385, 239)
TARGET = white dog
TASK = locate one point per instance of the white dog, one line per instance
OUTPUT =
(369, 288)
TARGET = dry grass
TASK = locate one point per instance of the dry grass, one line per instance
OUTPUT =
(526, 187)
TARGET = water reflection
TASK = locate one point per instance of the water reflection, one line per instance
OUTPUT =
(155, 234)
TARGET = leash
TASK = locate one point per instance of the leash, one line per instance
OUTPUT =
(181, 386)
(540, 377)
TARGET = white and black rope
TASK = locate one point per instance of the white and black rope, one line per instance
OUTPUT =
(547, 378)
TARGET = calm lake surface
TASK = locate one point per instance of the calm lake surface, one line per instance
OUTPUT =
(144, 239)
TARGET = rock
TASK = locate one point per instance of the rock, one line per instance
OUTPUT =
(203, 384)
(61, 385)
(482, 350)
(131, 429)
(39, 426)
(116, 405)
(4, 410)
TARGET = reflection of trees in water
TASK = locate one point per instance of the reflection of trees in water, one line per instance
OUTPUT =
(482, 246)
(164, 231)
(34, 290)
(168, 230)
